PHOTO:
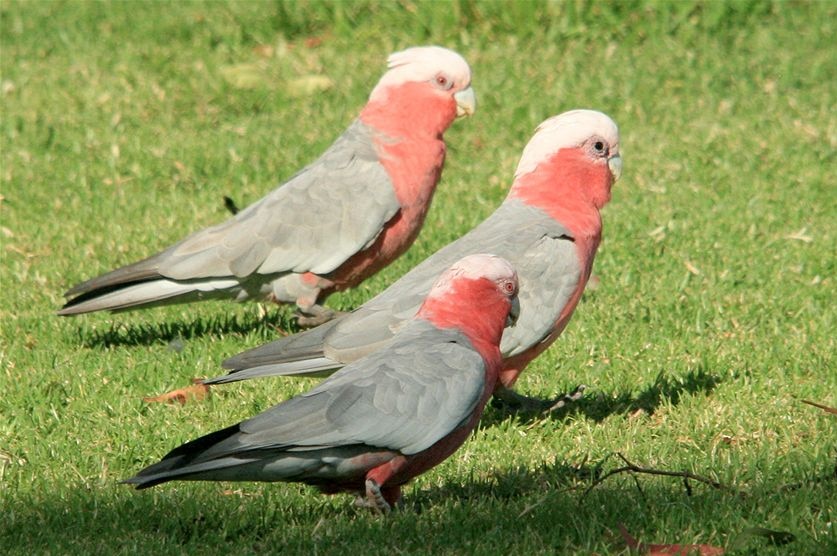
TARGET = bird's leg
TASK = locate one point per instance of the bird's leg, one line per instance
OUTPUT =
(310, 291)
(375, 498)
(392, 494)
(506, 397)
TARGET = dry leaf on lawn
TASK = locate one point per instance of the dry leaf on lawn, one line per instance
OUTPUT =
(197, 391)
(669, 549)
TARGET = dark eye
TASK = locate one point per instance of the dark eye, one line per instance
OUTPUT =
(599, 147)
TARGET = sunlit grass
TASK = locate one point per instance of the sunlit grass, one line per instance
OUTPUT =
(124, 126)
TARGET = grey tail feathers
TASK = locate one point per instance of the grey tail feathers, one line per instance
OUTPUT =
(150, 293)
(315, 367)
(182, 461)
(85, 295)
(299, 347)
(140, 271)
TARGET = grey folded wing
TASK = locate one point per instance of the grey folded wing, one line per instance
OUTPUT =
(318, 219)
(407, 397)
(541, 249)
(326, 213)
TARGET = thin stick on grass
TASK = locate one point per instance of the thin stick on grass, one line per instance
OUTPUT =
(632, 468)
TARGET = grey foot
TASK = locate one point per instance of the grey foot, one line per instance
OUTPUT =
(315, 316)
(374, 499)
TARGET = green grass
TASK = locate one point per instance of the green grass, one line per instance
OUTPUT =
(125, 124)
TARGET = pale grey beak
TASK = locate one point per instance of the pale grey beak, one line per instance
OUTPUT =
(514, 313)
(615, 165)
(466, 102)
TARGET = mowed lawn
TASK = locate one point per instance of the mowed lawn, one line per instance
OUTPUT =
(125, 124)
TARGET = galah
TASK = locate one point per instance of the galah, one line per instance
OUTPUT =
(330, 226)
(380, 421)
(548, 227)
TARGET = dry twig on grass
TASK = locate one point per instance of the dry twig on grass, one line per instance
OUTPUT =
(685, 475)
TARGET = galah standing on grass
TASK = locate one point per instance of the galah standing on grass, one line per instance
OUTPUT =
(329, 227)
(548, 227)
(382, 420)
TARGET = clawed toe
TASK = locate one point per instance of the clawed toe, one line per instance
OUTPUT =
(374, 498)
(316, 316)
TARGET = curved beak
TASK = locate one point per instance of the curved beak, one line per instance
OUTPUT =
(514, 313)
(466, 102)
(615, 165)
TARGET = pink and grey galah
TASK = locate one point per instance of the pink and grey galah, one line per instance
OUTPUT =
(333, 224)
(548, 227)
(380, 421)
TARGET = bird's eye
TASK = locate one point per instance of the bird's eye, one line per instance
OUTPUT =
(508, 287)
(599, 147)
(442, 81)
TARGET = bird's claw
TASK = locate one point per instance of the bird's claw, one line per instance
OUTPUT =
(315, 316)
(374, 499)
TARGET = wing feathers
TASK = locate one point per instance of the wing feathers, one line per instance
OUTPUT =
(315, 222)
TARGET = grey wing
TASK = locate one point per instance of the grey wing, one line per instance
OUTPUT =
(548, 272)
(406, 397)
(373, 324)
(540, 249)
(322, 216)
(543, 252)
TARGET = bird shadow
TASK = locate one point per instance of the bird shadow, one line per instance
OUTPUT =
(598, 406)
(566, 499)
(174, 332)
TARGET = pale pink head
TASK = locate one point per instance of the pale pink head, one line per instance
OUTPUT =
(477, 294)
(423, 83)
(580, 147)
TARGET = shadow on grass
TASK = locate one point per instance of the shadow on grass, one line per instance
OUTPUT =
(540, 509)
(598, 406)
(123, 334)
(664, 389)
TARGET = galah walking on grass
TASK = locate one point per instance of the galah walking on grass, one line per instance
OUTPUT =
(329, 227)
(548, 227)
(383, 419)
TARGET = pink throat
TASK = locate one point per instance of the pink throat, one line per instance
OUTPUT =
(410, 110)
(473, 306)
(569, 187)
